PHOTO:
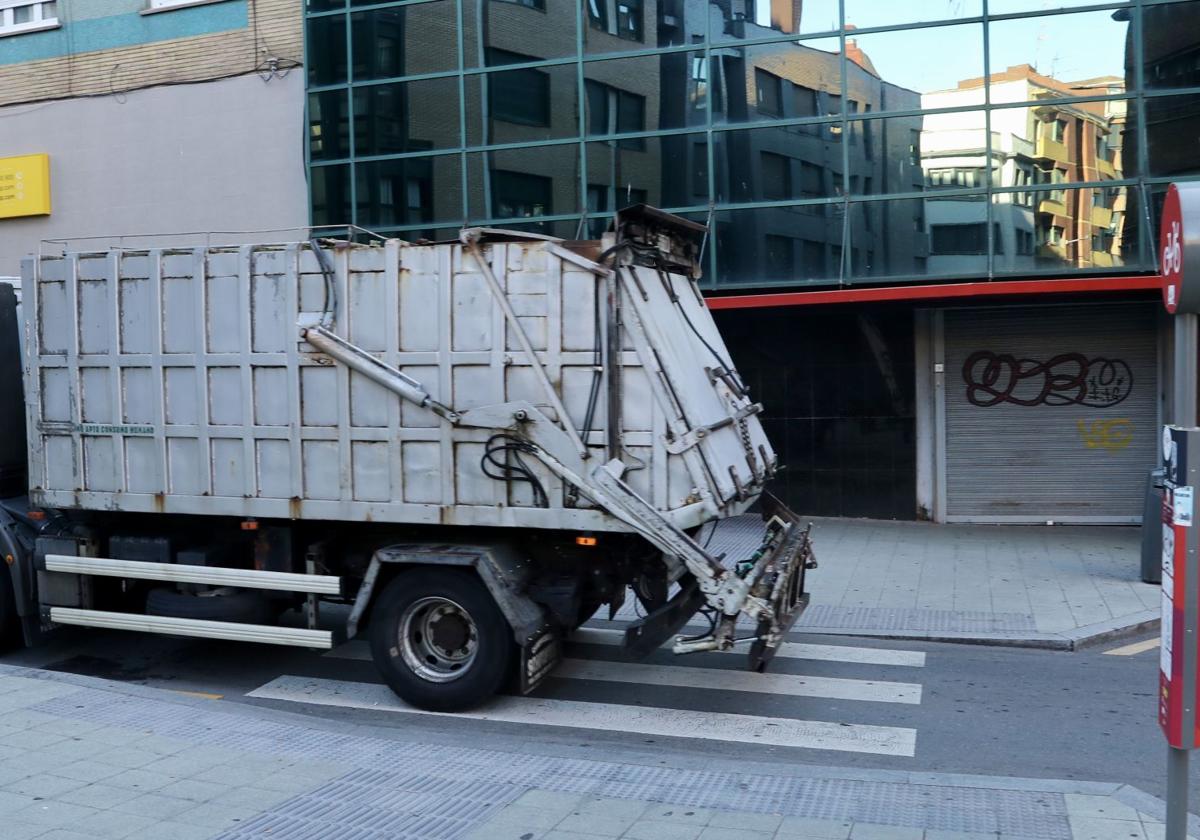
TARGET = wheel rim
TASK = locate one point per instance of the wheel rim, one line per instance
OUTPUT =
(438, 639)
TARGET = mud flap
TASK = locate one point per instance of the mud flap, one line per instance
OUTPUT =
(540, 655)
(785, 581)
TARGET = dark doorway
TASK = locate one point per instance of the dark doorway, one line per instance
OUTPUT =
(837, 383)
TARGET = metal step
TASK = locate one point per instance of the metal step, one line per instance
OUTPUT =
(196, 627)
(208, 575)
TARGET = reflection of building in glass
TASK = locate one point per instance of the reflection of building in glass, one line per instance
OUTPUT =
(1043, 143)
(1170, 52)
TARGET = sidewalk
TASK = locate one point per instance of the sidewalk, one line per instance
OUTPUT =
(88, 758)
(1039, 586)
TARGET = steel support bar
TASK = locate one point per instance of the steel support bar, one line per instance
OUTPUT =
(469, 238)
(194, 627)
(1177, 794)
(363, 362)
(207, 575)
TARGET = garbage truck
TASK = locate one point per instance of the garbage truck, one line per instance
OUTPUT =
(473, 446)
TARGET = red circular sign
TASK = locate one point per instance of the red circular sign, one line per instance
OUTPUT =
(1170, 249)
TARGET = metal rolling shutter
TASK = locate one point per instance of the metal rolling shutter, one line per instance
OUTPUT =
(1068, 454)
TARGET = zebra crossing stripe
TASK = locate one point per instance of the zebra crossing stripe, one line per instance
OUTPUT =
(720, 679)
(790, 650)
(613, 717)
(360, 650)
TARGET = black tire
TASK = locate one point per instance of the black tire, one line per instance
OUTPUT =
(241, 607)
(10, 623)
(480, 678)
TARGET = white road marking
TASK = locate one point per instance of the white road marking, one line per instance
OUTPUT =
(360, 650)
(715, 679)
(1136, 647)
(610, 717)
(790, 650)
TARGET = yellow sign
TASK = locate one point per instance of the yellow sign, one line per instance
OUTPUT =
(24, 186)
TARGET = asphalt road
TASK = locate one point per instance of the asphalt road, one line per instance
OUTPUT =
(967, 709)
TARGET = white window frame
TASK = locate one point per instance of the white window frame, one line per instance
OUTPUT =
(153, 6)
(37, 23)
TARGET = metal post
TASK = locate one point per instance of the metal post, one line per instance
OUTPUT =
(1187, 344)
(1177, 792)
(1186, 348)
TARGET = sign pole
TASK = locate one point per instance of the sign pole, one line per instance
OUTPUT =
(1179, 263)
(1186, 348)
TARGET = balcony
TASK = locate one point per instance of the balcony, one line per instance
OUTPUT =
(1051, 150)
(1105, 168)
(1055, 206)
(1101, 217)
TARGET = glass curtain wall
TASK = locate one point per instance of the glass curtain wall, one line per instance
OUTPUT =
(824, 142)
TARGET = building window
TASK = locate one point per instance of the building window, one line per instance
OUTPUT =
(519, 195)
(780, 256)
(540, 5)
(1025, 243)
(598, 14)
(28, 17)
(615, 111)
(768, 93)
(699, 169)
(914, 146)
(956, 178)
(969, 239)
(1055, 130)
(518, 96)
(776, 177)
(1051, 234)
(629, 19)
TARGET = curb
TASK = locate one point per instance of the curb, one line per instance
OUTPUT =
(1089, 635)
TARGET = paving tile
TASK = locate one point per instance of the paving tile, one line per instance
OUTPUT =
(43, 785)
(938, 834)
(87, 771)
(656, 830)
(550, 800)
(176, 831)
(194, 789)
(214, 814)
(98, 795)
(746, 820)
(65, 834)
(250, 797)
(54, 814)
(113, 824)
(604, 826)
(555, 834)
(154, 805)
(678, 814)
(489, 832)
(877, 831)
(10, 802)
(1100, 807)
(131, 758)
(14, 830)
(139, 780)
(722, 833)
(805, 827)
(1088, 828)
(531, 819)
(609, 807)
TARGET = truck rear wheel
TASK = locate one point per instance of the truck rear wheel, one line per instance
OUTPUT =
(439, 640)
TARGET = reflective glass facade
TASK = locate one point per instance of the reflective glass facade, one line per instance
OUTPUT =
(825, 142)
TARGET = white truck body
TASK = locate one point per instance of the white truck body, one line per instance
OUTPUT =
(180, 381)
